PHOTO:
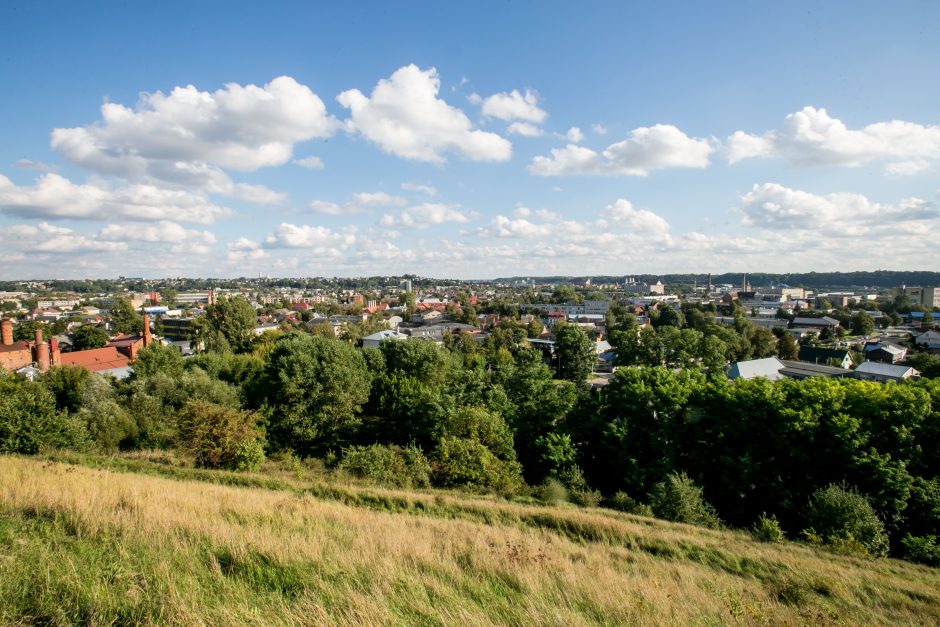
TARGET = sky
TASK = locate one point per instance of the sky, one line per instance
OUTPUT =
(467, 140)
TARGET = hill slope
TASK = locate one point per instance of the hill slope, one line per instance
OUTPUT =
(96, 546)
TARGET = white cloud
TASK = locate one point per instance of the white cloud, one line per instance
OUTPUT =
(501, 226)
(238, 127)
(320, 239)
(812, 137)
(524, 129)
(646, 149)
(574, 135)
(598, 129)
(427, 214)
(46, 238)
(29, 164)
(773, 206)
(405, 117)
(164, 232)
(514, 106)
(55, 197)
(311, 163)
(427, 190)
(244, 249)
(637, 220)
(361, 201)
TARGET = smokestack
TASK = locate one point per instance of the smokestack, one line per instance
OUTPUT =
(6, 326)
(147, 338)
(55, 356)
(42, 353)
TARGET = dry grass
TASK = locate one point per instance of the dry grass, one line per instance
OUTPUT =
(91, 546)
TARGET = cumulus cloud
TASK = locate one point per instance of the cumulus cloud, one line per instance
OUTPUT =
(637, 220)
(646, 149)
(182, 240)
(598, 129)
(405, 117)
(513, 106)
(55, 197)
(244, 249)
(361, 201)
(574, 135)
(319, 239)
(427, 214)
(524, 129)
(29, 164)
(812, 137)
(773, 206)
(501, 226)
(51, 239)
(311, 163)
(427, 190)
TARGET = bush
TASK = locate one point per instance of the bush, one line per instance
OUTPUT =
(587, 498)
(845, 520)
(923, 549)
(623, 502)
(219, 437)
(30, 422)
(767, 529)
(461, 462)
(389, 465)
(553, 492)
(678, 499)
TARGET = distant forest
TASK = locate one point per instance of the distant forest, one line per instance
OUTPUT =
(873, 280)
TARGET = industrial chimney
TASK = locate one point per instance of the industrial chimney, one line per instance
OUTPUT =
(147, 338)
(6, 330)
(41, 353)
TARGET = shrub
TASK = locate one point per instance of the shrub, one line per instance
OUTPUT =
(587, 498)
(462, 462)
(845, 520)
(923, 549)
(678, 499)
(623, 502)
(218, 436)
(29, 420)
(389, 465)
(553, 492)
(767, 529)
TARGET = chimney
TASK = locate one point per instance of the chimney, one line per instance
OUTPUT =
(55, 356)
(42, 353)
(7, 331)
(147, 338)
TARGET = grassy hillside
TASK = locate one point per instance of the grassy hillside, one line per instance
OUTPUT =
(132, 541)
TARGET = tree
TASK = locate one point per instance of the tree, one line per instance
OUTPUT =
(863, 324)
(564, 294)
(123, 317)
(220, 437)
(168, 296)
(678, 499)
(842, 517)
(29, 420)
(670, 317)
(787, 347)
(89, 336)
(229, 324)
(314, 389)
(575, 353)
(26, 331)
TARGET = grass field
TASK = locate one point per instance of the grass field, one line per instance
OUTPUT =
(123, 540)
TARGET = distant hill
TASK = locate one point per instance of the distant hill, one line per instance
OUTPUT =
(879, 279)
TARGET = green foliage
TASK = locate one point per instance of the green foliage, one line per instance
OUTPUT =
(767, 529)
(575, 353)
(124, 319)
(388, 465)
(315, 389)
(623, 502)
(158, 358)
(846, 520)
(228, 325)
(67, 384)
(481, 426)
(922, 549)
(678, 499)
(30, 422)
(108, 423)
(26, 331)
(863, 324)
(219, 437)
(553, 491)
(88, 336)
(466, 463)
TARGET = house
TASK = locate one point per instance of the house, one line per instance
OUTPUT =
(373, 341)
(825, 356)
(815, 323)
(882, 372)
(768, 368)
(884, 352)
(804, 370)
(930, 339)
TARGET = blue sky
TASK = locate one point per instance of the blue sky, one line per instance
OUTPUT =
(495, 139)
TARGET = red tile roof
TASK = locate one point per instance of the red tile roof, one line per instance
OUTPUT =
(96, 359)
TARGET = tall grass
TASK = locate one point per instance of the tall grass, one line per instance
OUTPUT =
(93, 546)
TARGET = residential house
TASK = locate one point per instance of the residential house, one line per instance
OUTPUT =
(885, 352)
(930, 339)
(882, 372)
(373, 341)
(826, 356)
(768, 368)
